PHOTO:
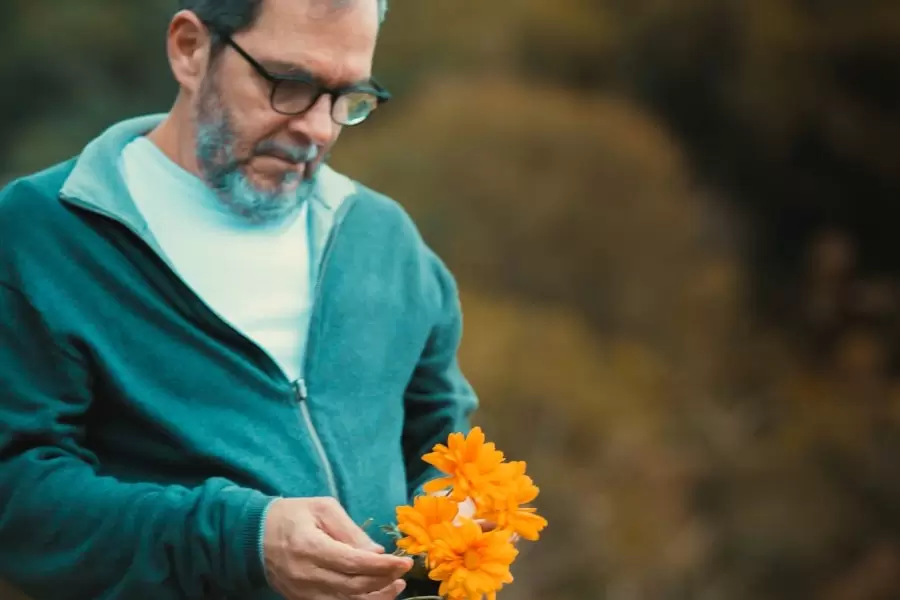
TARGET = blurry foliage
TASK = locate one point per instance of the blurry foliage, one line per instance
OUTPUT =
(792, 105)
(616, 185)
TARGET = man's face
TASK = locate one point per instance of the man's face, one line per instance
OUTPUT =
(262, 163)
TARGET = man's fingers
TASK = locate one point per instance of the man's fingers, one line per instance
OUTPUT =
(388, 593)
(350, 585)
(486, 525)
(335, 521)
(347, 560)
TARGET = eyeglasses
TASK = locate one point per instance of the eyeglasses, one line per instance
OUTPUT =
(293, 95)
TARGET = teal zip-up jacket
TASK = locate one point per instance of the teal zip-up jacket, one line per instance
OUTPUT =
(142, 438)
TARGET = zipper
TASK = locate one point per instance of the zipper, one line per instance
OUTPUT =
(299, 390)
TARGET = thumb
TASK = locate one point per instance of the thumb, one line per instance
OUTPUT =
(486, 525)
(337, 523)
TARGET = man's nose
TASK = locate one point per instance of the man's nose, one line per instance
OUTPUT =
(316, 124)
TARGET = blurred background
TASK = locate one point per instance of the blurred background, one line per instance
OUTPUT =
(673, 223)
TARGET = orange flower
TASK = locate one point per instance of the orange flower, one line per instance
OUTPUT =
(469, 463)
(469, 563)
(418, 520)
(502, 502)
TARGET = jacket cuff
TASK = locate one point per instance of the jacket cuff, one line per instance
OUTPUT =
(261, 537)
(250, 569)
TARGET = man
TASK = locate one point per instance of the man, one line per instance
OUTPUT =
(219, 357)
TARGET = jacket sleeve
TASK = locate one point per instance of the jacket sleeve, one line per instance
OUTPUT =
(68, 532)
(439, 399)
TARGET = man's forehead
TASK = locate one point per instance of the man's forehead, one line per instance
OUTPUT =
(335, 43)
(309, 12)
(347, 25)
(324, 9)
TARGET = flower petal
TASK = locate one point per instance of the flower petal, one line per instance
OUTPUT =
(474, 442)
(437, 485)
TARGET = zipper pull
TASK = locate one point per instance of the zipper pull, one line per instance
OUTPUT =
(300, 390)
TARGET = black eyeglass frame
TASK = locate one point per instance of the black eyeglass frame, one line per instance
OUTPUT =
(380, 94)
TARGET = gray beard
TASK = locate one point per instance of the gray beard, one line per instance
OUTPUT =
(221, 169)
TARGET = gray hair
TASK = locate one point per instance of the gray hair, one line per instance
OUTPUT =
(233, 16)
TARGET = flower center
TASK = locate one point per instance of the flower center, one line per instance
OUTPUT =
(471, 560)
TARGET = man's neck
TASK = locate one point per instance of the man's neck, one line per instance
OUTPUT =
(174, 137)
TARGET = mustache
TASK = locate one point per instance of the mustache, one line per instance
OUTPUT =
(294, 154)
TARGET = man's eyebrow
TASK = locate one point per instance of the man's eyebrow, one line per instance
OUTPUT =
(287, 69)
(278, 67)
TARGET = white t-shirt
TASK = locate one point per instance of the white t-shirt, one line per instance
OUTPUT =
(255, 277)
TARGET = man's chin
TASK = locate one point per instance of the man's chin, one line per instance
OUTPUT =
(283, 181)
(285, 193)
(268, 209)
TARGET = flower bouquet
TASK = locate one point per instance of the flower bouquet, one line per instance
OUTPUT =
(464, 529)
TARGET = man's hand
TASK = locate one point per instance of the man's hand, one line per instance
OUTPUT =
(314, 551)
(487, 526)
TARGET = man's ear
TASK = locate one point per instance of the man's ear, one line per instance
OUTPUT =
(188, 46)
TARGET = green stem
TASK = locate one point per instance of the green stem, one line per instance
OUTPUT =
(426, 598)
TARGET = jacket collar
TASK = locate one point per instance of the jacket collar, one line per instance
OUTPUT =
(96, 181)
